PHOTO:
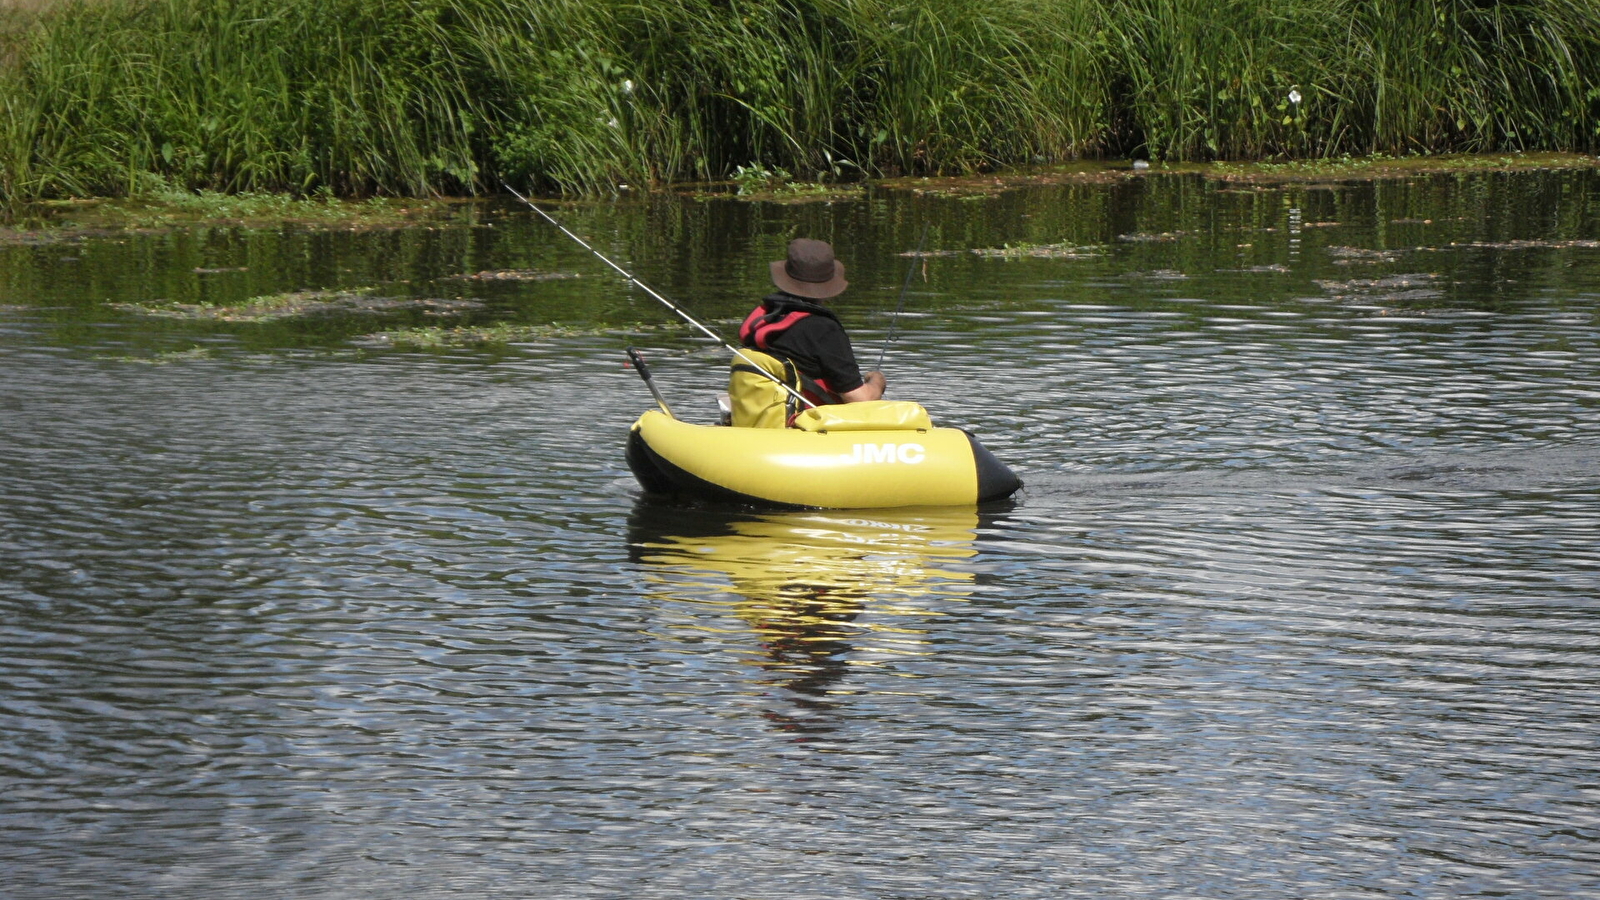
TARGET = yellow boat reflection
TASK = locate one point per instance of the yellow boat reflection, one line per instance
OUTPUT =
(820, 590)
(896, 553)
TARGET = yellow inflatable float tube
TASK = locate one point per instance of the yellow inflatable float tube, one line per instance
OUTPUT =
(878, 454)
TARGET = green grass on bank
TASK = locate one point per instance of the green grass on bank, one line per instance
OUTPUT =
(418, 97)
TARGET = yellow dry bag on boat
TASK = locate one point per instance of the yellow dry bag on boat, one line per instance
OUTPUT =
(758, 401)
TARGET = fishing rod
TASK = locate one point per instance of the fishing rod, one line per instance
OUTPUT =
(665, 302)
(895, 319)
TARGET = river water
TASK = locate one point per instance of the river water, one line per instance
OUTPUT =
(1299, 599)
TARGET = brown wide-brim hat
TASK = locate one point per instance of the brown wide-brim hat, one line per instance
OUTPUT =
(810, 271)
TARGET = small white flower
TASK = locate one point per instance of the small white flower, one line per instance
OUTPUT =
(1294, 96)
(613, 122)
(627, 86)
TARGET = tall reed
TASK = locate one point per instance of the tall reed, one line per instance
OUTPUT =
(1460, 74)
(356, 97)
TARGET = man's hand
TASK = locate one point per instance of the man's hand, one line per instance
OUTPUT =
(872, 388)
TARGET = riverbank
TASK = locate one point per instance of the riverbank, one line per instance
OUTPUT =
(54, 220)
(359, 98)
(51, 221)
(1377, 167)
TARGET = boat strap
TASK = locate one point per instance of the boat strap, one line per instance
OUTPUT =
(797, 380)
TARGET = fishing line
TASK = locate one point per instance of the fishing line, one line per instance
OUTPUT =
(895, 319)
(664, 301)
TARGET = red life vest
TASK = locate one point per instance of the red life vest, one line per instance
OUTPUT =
(763, 324)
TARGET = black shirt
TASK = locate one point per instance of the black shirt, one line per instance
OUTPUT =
(817, 344)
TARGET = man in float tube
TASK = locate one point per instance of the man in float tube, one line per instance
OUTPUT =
(804, 337)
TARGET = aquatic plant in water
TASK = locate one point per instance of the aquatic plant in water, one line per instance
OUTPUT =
(441, 337)
(301, 304)
(1040, 251)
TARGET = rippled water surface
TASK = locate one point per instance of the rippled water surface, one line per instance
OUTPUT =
(1299, 600)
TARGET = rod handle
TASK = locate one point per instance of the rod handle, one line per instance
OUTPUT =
(644, 373)
(638, 363)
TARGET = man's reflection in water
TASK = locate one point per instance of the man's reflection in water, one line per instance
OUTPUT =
(805, 633)
(804, 581)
